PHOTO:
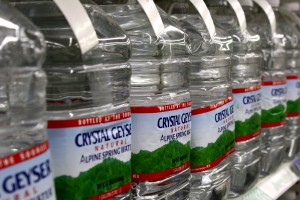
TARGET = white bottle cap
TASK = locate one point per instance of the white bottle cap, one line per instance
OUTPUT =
(292, 6)
(246, 3)
(274, 3)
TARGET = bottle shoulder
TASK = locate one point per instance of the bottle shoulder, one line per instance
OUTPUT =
(258, 22)
(62, 45)
(289, 27)
(171, 42)
(21, 43)
(244, 41)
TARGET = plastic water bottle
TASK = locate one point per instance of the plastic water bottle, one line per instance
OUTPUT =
(25, 165)
(160, 102)
(211, 92)
(246, 82)
(290, 22)
(273, 82)
(89, 119)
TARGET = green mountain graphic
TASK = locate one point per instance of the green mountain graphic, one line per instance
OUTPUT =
(249, 126)
(205, 155)
(276, 114)
(293, 106)
(108, 175)
(166, 157)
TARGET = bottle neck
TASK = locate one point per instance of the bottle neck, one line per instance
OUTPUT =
(275, 9)
(248, 8)
(246, 3)
(274, 3)
(292, 6)
(215, 2)
(113, 2)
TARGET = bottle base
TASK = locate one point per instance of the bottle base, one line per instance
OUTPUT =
(273, 149)
(271, 160)
(292, 147)
(246, 167)
(244, 178)
(175, 187)
(213, 184)
(124, 196)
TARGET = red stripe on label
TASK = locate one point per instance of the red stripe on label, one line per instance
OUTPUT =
(112, 193)
(164, 108)
(294, 114)
(293, 77)
(159, 175)
(23, 156)
(247, 137)
(272, 83)
(88, 121)
(272, 125)
(212, 164)
(245, 90)
(211, 107)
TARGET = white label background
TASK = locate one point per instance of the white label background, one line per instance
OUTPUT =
(269, 101)
(147, 135)
(240, 108)
(293, 92)
(205, 129)
(66, 155)
(40, 187)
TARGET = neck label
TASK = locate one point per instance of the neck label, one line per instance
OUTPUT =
(80, 23)
(153, 15)
(205, 14)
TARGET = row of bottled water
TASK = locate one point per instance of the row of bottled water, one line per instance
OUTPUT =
(188, 99)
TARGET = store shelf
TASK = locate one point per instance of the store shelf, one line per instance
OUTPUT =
(274, 185)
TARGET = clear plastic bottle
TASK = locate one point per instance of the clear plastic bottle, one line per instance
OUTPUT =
(290, 23)
(246, 83)
(273, 86)
(25, 164)
(89, 119)
(211, 93)
(160, 102)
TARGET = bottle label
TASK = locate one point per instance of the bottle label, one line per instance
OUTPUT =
(27, 175)
(247, 112)
(91, 156)
(212, 135)
(293, 96)
(161, 141)
(273, 103)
